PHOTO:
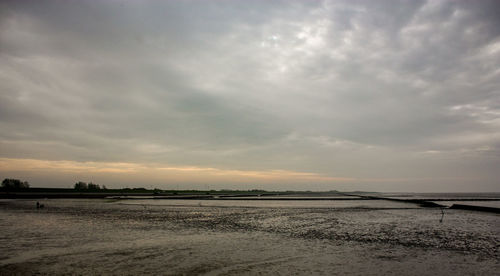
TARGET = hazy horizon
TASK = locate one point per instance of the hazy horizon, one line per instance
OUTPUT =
(388, 96)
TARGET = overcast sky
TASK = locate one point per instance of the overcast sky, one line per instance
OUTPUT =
(276, 95)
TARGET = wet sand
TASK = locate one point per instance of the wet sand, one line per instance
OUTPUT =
(123, 237)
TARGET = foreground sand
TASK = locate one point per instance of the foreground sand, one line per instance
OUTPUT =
(108, 237)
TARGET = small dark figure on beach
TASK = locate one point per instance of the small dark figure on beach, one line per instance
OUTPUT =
(38, 205)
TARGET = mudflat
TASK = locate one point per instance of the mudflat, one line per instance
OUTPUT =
(99, 236)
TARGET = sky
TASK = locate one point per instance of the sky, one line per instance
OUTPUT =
(275, 95)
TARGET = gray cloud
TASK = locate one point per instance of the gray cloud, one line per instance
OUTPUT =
(361, 89)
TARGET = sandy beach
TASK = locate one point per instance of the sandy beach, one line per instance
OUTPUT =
(134, 237)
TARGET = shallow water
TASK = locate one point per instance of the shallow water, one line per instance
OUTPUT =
(494, 204)
(270, 203)
(110, 237)
(451, 196)
(448, 199)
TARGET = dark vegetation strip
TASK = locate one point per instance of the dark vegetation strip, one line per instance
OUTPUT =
(142, 193)
(132, 196)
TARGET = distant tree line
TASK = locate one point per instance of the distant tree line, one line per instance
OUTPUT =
(10, 183)
(90, 186)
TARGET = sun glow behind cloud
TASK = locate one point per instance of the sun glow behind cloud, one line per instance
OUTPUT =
(317, 93)
(164, 174)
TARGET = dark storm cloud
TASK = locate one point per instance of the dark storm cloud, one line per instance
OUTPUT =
(340, 88)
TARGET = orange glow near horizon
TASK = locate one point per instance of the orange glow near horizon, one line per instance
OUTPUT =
(159, 171)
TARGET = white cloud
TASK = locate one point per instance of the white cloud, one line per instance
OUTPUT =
(331, 88)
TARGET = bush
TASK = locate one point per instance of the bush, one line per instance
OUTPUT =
(84, 186)
(81, 186)
(9, 183)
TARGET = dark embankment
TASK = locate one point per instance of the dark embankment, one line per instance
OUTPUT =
(476, 208)
(33, 193)
(420, 202)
